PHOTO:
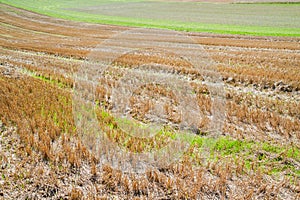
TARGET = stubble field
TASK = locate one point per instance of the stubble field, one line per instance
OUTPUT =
(254, 154)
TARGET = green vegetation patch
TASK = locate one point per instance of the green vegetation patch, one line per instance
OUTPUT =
(246, 19)
(270, 158)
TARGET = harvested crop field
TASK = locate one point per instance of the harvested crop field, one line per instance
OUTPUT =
(246, 139)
